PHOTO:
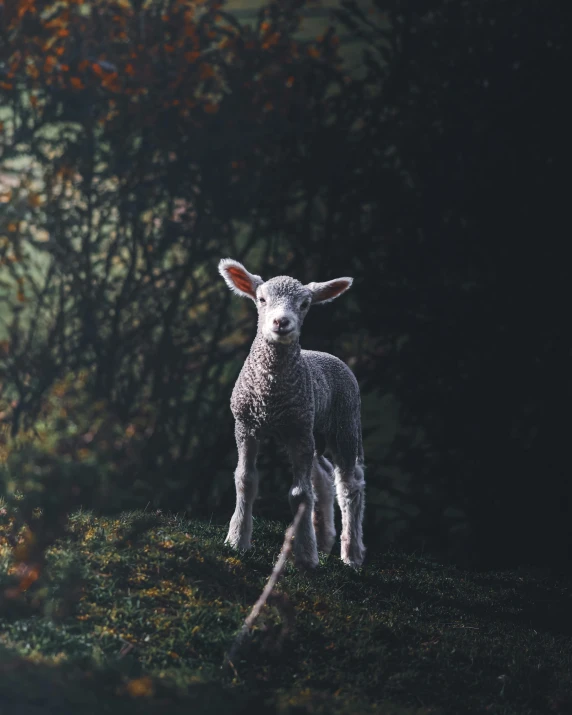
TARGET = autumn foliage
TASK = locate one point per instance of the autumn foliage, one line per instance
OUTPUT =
(154, 61)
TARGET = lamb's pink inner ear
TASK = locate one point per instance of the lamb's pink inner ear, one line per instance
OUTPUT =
(240, 280)
(330, 290)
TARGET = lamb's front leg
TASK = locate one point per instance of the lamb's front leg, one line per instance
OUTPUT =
(301, 452)
(246, 482)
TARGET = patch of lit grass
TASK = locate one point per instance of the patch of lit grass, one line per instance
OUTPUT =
(161, 599)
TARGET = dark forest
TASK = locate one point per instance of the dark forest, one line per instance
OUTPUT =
(417, 146)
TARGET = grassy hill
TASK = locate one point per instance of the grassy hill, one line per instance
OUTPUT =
(135, 614)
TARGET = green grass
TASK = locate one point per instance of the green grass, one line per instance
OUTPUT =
(142, 609)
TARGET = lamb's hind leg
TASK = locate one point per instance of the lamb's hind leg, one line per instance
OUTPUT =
(350, 487)
(324, 495)
(246, 482)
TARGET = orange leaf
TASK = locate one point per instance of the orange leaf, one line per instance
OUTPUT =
(30, 575)
(26, 6)
(271, 41)
(109, 81)
(141, 687)
(33, 100)
(211, 108)
(56, 22)
(205, 71)
(76, 83)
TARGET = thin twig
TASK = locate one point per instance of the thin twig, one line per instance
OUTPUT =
(272, 581)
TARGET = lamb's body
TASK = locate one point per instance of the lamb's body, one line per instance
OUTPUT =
(306, 388)
(310, 401)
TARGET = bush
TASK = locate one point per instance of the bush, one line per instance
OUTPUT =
(78, 454)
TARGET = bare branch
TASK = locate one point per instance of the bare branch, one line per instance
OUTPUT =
(272, 581)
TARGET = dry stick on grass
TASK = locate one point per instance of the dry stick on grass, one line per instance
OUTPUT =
(272, 581)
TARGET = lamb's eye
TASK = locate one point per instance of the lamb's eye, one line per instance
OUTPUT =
(262, 300)
(305, 304)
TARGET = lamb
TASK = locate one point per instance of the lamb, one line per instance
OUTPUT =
(311, 402)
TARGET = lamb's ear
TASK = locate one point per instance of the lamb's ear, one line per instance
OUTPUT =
(238, 279)
(325, 292)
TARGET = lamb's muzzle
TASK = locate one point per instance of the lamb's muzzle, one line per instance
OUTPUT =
(300, 396)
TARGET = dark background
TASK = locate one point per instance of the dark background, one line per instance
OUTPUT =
(429, 161)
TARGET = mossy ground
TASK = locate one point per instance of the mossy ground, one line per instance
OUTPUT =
(159, 599)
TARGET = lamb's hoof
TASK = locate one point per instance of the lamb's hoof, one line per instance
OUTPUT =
(306, 561)
(305, 565)
(326, 542)
(238, 543)
(353, 556)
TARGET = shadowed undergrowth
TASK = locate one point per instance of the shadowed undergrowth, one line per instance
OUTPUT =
(138, 612)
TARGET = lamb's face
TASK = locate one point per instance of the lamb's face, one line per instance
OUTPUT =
(282, 304)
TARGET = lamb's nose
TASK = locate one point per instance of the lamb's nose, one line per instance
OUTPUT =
(281, 323)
